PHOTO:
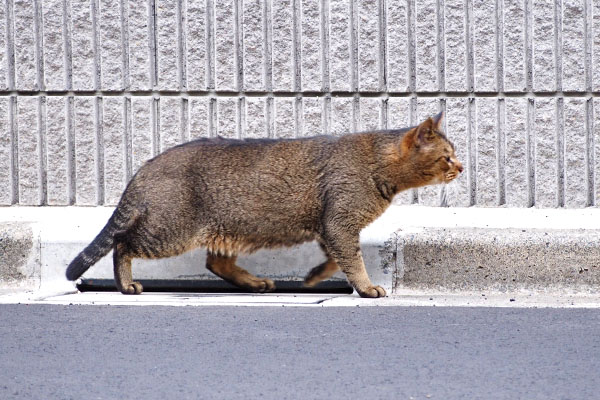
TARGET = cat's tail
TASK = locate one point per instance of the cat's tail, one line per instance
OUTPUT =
(103, 243)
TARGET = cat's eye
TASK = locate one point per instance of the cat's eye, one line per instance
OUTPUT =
(448, 160)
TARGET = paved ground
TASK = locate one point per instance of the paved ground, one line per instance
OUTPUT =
(404, 297)
(224, 352)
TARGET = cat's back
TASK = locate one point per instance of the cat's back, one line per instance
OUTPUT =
(221, 151)
(258, 171)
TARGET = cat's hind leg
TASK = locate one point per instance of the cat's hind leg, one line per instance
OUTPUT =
(225, 267)
(122, 268)
(321, 272)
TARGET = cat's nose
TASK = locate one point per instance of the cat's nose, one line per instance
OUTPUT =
(459, 167)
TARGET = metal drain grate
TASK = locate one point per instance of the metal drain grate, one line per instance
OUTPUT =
(211, 286)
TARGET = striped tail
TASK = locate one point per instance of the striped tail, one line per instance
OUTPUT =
(100, 246)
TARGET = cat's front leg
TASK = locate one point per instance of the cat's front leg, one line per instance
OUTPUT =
(344, 248)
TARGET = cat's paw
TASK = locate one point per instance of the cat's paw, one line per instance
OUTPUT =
(263, 285)
(311, 279)
(132, 288)
(373, 291)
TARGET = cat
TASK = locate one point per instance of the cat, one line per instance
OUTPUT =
(237, 196)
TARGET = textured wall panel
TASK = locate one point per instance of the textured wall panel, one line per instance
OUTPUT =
(285, 118)
(227, 117)
(426, 108)
(199, 118)
(544, 59)
(83, 46)
(6, 46)
(595, 132)
(142, 131)
(226, 62)
(514, 46)
(115, 162)
(427, 60)
(25, 41)
(573, 50)
(111, 46)
(256, 118)
(86, 150)
(484, 45)
(312, 68)
(341, 115)
(369, 51)
(594, 35)
(486, 152)
(398, 114)
(340, 61)
(58, 151)
(254, 45)
(398, 65)
(284, 74)
(197, 45)
(546, 153)
(575, 145)
(6, 153)
(312, 117)
(170, 122)
(54, 45)
(517, 152)
(456, 45)
(140, 67)
(167, 45)
(30, 179)
(370, 114)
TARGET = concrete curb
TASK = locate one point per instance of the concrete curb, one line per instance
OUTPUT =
(19, 255)
(508, 259)
(409, 247)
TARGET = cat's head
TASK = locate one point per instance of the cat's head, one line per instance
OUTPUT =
(431, 153)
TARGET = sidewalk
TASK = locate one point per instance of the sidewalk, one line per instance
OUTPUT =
(403, 298)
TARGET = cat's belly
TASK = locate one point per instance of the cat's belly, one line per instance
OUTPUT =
(231, 244)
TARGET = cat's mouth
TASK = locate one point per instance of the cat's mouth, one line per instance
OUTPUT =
(450, 176)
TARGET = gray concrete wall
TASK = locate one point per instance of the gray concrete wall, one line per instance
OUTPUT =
(89, 89)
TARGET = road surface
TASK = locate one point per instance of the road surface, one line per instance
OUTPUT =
(225, 352)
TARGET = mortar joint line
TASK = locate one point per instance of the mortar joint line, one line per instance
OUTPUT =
(295, 94)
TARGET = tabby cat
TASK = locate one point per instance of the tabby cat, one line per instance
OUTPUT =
(238, 196)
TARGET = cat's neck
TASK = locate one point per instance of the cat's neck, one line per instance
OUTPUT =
(395, 168)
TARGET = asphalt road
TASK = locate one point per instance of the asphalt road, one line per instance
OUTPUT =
(153, 352)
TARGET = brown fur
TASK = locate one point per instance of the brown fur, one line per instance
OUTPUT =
(237, 196)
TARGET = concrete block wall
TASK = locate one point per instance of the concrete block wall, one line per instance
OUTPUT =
(90, 89)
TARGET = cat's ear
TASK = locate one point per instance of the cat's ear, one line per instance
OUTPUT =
(438, 122)
(425, 132)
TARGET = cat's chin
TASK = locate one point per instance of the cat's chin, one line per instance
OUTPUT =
(440, 180)
(449, 178)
